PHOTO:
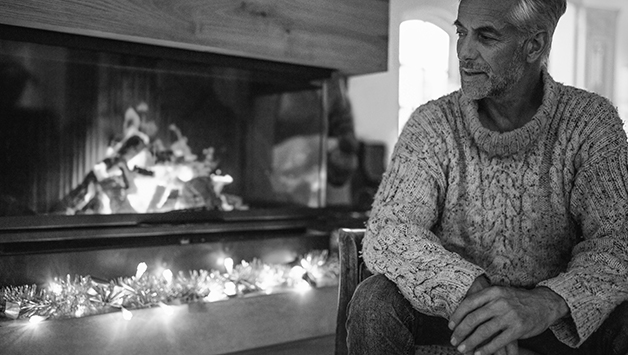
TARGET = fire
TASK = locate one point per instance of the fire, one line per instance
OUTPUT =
(140, 174)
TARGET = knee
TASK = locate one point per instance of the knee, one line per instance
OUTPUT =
(620, 313)
(618, 329)
(377, 297)
(374, 290)
(379, 319)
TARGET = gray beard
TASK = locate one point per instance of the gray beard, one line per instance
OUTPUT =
(497, 86)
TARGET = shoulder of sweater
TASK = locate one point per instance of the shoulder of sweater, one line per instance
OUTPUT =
(586, 102)
(584, 113)
(592, 120)
(429, 129)
(436, 114)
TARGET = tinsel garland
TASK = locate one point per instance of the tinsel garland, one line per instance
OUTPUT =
(79, 296)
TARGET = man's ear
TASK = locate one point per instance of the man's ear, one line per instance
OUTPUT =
(536, 46)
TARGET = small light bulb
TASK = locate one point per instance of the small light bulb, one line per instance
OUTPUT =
(56, 288)
(141, 269)
(167, 274)
(80, 311)
(230, 289)
(168, 310)
(305, 264)
(126, 314)
(215, 296)
(185, 173)
(303, 286)
(36, 319)
(228, 263)
(297, 272)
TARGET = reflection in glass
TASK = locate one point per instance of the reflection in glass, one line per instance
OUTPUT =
(91, 132)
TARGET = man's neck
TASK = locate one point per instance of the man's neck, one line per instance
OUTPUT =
(515, 108)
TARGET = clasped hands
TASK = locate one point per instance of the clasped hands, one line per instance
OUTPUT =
(491, 319)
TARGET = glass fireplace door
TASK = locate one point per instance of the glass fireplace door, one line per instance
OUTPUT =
(111, 129)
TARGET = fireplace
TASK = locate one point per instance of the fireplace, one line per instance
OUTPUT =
(179, 150)
(179, 122)
(106, 144)
(122, 155)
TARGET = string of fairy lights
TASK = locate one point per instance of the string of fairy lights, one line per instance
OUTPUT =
(79, 296)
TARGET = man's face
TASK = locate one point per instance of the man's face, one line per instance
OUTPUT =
(490, 50)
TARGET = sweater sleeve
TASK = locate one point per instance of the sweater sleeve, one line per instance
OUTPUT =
(596, 280)
(398, 242)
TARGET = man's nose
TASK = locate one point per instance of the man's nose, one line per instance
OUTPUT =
(466, 49)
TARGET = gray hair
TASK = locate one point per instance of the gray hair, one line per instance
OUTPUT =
(532, 16)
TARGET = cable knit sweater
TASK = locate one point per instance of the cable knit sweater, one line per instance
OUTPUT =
(543, 205)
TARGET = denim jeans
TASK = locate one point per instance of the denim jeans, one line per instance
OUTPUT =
(381, 321)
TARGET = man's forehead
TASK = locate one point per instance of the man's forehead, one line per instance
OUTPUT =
(484, 13)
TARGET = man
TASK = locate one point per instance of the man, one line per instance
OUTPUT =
(500, 224)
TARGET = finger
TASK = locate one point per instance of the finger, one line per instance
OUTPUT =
(469, 304)
(471, 322)
(483, 334)
(500, 341)
(512, 348)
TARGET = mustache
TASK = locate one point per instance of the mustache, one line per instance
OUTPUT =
(469, 65)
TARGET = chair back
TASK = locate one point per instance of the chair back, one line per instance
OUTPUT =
(352, 272)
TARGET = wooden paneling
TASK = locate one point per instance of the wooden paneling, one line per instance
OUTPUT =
(347, 35)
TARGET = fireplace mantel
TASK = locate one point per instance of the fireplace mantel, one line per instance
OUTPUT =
(348, 35)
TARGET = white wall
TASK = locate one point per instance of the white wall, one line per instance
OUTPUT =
(375, 99)
(621, 59)
(375, 96)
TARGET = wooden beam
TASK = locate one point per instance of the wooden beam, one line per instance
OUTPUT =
(346, 35)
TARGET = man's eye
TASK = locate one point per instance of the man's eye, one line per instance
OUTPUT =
(485, 38)
(460, 33)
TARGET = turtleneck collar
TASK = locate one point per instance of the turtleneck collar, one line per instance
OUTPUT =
(509, 143)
